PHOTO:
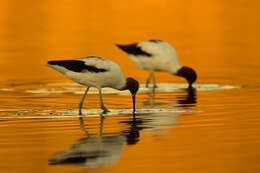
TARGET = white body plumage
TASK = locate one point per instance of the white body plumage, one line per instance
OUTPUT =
(157, 55)
(164, 57)
(95, 72)
(112, 77)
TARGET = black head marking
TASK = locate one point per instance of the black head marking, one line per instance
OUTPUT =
(188, 73)
(133, 49)
(77, 66)
(132, 85)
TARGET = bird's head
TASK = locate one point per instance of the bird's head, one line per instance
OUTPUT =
(188, 73)
(132, 85)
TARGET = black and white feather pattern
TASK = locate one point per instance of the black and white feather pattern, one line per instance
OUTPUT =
(77, 66)
(133, 49)
(153, 55)
(91, 71)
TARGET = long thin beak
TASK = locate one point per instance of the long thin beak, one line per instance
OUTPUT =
(190, 86)
(133, 97)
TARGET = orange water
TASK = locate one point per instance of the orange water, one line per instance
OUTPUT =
(215, 131)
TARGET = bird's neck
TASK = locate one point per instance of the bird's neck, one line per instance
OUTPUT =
(122, 85)
(174, 69)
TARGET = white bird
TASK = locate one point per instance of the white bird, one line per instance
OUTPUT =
(96, 72)
(157, 55)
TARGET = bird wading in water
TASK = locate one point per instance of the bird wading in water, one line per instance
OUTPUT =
(96, 72)
(157, 55)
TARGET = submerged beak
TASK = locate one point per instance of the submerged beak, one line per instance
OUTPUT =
(133, 97)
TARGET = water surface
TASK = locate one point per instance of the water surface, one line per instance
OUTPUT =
(214, 128)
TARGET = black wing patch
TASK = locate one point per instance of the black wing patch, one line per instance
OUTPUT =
(77, 66)
(155, 41)
(133, 49)
(78, 157)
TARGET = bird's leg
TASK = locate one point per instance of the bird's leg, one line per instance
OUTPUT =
(82, 100)
(153, 78)
(148, 79)
(105, 110)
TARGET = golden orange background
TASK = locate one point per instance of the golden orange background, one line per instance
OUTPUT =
(217, 38)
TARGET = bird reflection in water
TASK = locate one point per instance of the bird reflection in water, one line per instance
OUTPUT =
(98, 151)
(186, 98)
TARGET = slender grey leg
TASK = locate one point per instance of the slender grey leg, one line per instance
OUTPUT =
(148, 79)
(153, 78)
(82, 100)
(105, 110)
